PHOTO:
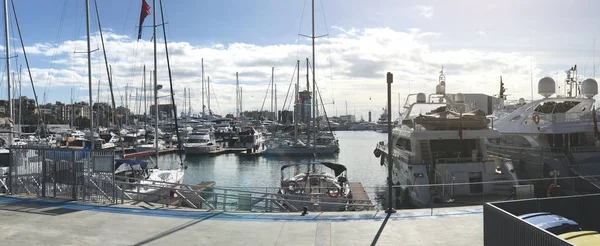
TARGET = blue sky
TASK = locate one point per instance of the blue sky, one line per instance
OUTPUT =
(476, 41)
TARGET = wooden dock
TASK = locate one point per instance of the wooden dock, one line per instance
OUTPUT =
(226, 151)
(191, 196)
(252, 154)
(359, 196)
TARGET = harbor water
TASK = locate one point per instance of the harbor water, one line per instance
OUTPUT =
(231, 170)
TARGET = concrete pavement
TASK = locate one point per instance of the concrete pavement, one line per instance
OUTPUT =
(26, 221)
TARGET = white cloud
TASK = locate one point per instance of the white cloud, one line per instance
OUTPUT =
(425, 11)
(351, 66)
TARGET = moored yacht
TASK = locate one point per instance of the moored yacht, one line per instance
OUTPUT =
(440, 144)
(200, 141)
(554, 137)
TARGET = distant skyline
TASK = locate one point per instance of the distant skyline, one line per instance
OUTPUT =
(476, 43)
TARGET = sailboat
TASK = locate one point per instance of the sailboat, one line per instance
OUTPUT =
(153, 181)
(297, 147)
(167, 176)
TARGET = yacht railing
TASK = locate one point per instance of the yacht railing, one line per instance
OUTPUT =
(267, 199)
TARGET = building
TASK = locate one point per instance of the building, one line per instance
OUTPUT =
(347, 118)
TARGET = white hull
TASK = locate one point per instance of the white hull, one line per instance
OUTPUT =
(198, 150)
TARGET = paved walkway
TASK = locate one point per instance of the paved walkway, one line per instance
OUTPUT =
(25, 221)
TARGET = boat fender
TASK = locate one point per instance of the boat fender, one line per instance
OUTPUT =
(536, 118)
(553, 190)
(377, 153)
(382, 160)
(333, 192)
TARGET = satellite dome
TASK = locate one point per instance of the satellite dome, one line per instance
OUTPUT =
(521, 100)
(439, 89)
(546, 87)
(459, 98)
(421, 98)
(589, 88)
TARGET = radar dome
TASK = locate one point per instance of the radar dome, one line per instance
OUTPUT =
(589, 88)
(421, 98)
(439, 90)
(521, 101)
(546, 87)
(459, 98)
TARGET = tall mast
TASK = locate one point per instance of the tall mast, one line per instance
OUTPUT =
(72, 109)
(7, 54)
(184, 100)
(20, 102)
(296, 104)
(89, 61)
(155, 83)
(272, 93)
(145, 100)
(237, 95)
(276, 113)
(313, 71)
(208, 93)
(309, 122)
(241, 101)
(202, 85)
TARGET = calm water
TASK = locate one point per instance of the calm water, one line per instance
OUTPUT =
(231, 170)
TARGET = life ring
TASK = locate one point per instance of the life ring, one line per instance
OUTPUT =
(536, 118)
(333, 192)
(291, 187)
(553, 190)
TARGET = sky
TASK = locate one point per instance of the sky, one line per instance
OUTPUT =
(475, 42)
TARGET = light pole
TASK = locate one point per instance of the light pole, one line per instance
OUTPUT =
(390, 80)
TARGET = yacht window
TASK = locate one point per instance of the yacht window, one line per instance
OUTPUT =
(164, 176)
(555, 107)
(403, 144)
(516, 118)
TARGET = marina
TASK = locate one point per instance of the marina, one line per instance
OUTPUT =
(411, 130)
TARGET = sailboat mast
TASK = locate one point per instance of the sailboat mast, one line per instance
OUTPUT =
(20, 102)
(145, 100)
(155, 83)
(208, 93)
(202, 85)
(296, 99)
(89, 61)
(276, 113)
(313, 72)
(272, 93)
(7, 54)
(237, 95)
(309, 125)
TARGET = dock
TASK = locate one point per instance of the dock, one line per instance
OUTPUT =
(359, 196)
(226, 151)
(190, 195)
(252, 154)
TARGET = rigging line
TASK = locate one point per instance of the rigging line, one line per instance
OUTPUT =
(127, 16)
(327, 32)
(25, 55)
(264, 100)
(55, 49)
(298, 33)
(287, 95)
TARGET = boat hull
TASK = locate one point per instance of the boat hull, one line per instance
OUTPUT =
(302, 151)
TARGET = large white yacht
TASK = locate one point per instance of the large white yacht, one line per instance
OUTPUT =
(439, 153)
(555, 136)
(200, 141)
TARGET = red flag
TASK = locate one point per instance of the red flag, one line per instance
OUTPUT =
(595, 121)
(145, 12)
